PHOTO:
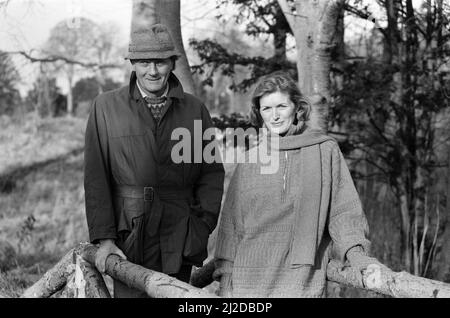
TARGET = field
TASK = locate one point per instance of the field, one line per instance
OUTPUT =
(42, 202)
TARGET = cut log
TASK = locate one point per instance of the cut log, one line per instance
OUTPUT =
(379, 279)
(53, 280)
(72, 277)
(155, 284)
(382, 280)
(86, 282)
(81, 279)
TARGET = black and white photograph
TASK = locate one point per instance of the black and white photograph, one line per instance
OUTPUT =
(217, 149)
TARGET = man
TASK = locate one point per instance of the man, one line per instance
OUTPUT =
(141, 205)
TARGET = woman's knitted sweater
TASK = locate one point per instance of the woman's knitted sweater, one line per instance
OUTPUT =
(278, 231)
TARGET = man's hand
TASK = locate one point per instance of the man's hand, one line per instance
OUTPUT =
(106, 248)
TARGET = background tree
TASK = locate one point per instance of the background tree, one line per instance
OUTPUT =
(86, 89)
(261, 19)
(392, 106)
(313, 24)
(75, 42)
(108, 50)
(45, 98)
(9, 79)
(80, 49)
(223, 86)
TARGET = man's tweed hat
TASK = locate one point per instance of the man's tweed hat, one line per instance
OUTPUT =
(153, 42)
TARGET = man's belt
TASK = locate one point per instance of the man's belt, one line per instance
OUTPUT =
(148, 193)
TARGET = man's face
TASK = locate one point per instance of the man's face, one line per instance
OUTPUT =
(152, 74)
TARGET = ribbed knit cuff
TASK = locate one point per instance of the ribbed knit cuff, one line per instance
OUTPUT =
(223, 267)
(226, 286)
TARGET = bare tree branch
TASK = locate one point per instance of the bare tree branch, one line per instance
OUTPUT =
(56, 58)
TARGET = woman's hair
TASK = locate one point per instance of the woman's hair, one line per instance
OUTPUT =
(279, 82)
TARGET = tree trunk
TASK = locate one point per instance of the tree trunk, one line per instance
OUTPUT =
(167, 12)
(339, 62)
(391, 50)
(70, 95)
(314, 26)
(279, 30)
(405, 232)
(45, 102)
(443, 272)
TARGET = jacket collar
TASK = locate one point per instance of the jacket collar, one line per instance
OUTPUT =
(175, 87)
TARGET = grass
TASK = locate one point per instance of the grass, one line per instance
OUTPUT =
(42, 217)
(33, 140)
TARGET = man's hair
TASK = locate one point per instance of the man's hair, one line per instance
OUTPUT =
(278, 82)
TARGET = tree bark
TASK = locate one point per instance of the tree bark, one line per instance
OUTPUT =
(167, 12)
(72, 277)
(53, 280)
(69, 92)
(382, 280)
(443, 272)
(85, 282)
(314, 26)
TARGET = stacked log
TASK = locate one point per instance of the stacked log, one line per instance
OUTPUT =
(75, 276)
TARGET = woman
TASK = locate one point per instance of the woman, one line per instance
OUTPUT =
(278, 231)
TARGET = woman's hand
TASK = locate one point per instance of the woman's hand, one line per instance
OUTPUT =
(106, 248)
(359, 260)
(363, 263)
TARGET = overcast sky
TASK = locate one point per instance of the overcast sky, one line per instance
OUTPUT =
(26, 24)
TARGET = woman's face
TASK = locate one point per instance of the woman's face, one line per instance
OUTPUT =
(278, 112)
